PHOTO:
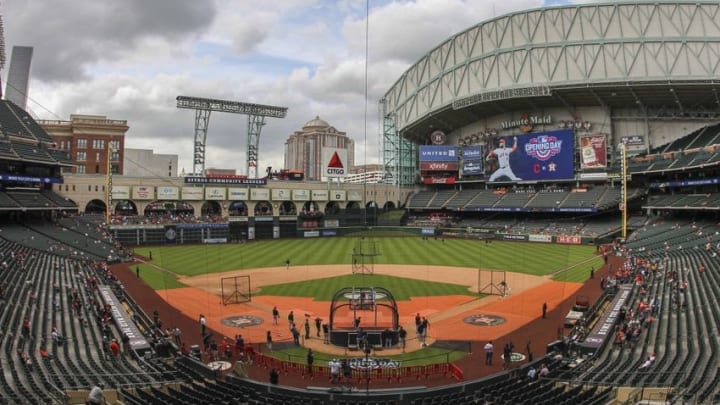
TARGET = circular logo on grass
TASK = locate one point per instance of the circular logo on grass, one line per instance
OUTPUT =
(484, 320)
(242, 321)
(514, 357)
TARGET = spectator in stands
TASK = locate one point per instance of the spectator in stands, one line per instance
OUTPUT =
(177, 335)
(544, 371)
(532, 374)
(96, 396)
(648, 361)
(269, 340)
(56, 336)
(274, 377)
(307, 327)
(114, 348)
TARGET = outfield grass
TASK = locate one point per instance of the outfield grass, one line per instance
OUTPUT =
(402, 288)
(530, 258)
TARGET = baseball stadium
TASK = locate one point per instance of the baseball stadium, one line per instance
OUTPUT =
(549, 236)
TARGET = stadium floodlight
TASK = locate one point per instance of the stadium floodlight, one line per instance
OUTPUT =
(256, 119)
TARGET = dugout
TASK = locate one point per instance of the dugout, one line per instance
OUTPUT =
(377, 312)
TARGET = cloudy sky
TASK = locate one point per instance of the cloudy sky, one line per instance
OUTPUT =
(128, 60)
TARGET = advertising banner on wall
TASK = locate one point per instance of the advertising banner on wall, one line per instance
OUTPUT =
(319, 195)
(593, 151)
(337, 195)
(281, 194)
(121, 192)
(472, 167)
(238, 194)
(439, 180)
(472, 152)
(335, 163)
(438, 153)
(192, 193)
(168, 193)
(531, 157)
(569, 239)
(143, 192)
(301, 195)
(259, 194)
(438, 166)
(354, 195)
(215, 193)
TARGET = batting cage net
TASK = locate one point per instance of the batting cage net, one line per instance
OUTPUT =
(235, 290)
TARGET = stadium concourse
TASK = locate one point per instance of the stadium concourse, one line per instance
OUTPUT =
(181, 308)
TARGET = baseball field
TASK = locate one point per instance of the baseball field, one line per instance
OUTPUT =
(445, 280)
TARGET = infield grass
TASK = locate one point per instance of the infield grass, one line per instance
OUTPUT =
(402, 288)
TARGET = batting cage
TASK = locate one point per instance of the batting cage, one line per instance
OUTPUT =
(363, 317)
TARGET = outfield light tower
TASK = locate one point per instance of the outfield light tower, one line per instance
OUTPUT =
(256, 119)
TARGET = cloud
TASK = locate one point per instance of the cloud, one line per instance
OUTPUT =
(129, 60)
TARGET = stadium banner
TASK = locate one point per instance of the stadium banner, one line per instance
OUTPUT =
(123, 321)
(427, 231)
(506, 236)
(215, 193)
(530, 157)
(168, 193)
(301, 195)
(31, 179)
(143, 193)
(319, 195)
(334, 162)
(593, 151)
(225, 180)
(209, 241)
(540, 238)
(569, 239)
(633, 140)
(337, 195)
(594, 176)
(354, 195)
(192, 193)
(472, 153)
(438, 153)
(238, 194)
(438, 167)
(329, 232)
(121, 192)
(439, 180)
(472, 168)
(311, 234)
(259, 194)
(332, 223)
(281, 194)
